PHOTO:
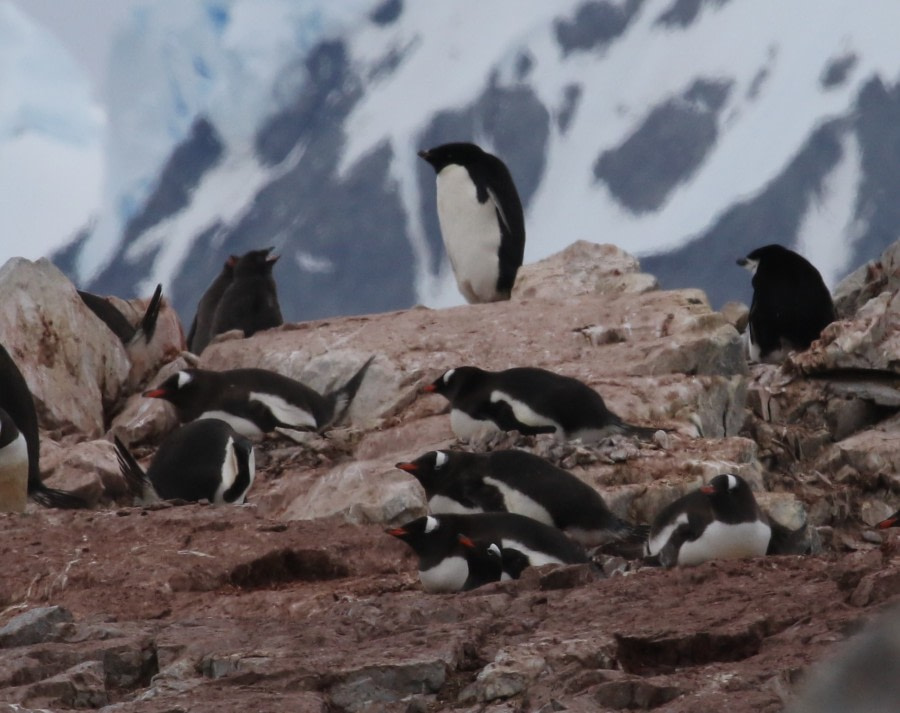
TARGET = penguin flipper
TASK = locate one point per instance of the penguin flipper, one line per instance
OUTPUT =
(147, 326)
(341, 398)
(53, 498)
(134, 475)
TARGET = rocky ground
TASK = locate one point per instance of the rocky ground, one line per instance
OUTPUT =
(299, 601)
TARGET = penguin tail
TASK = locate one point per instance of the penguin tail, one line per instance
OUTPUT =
(631, 533)
(341, 398)
(53, 498)
(134, 475)
(147, 326)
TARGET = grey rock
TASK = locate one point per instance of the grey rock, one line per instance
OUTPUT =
(36, 626)
(355, 690)
(510, 673)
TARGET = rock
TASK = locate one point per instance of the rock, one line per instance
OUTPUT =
(633, 692)
(868, 281)
(88, 469)
(386, 683)
(81, 686)
(36, 626)
(74, 365)
(144, 420)
(507, 675)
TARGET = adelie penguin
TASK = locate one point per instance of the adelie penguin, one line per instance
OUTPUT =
(200, 333)
(481, 219)
(721, 520)
(443, 567)
(528, 400)
(522, 483)
(257, 401)
(791, 304)
(204, 460)
(250, 302)
(17, 402)
(128, 333)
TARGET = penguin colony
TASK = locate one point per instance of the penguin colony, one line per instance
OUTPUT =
(492, 514)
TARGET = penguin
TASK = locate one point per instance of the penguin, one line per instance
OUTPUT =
(250, 302)
(127, 332)
(203, 460)
(16, 400)
(523, 483)
(892, 521)
(488, 562)
(442, 568)
(257, 401)
(13, 466)
(529, 400)
(791, 304)
(481, 219)
(721, 520)
(199, 335)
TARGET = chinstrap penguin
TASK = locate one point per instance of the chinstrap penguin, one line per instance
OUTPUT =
(200, 333)
(720, 520)
(16, 400)
(481, 219)
(520, 482)
(250, 302)
(257, 401)
(529, 400)
(203, 460)
(791, 304)
(128, 333)
(13, 466)
(443, 568)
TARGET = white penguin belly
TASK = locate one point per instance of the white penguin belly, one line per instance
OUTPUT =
(448, 575)
(722, 541)
(471, 234)
(466, 428)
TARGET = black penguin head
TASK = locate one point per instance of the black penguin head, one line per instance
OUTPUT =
(453, 381)
(729, 493)
(769, 256)
(461, 153)
(419, 532)
(429, 467)
(254, 263)
(177, 389)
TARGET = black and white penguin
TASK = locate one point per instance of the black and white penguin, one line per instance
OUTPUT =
(721, 520)
(257, 401)
(523, 483)
(200, 333)
(481, 218)
(250, 302)
(13, 466)
(120, 325)
(892, 521)
(529, 400)
(791, 304)
(16, 400)
(203, 460)
(488, 562)
(443, 568)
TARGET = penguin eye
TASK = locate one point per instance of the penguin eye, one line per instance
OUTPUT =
(183, 379)
(431, 524)
(440, 460)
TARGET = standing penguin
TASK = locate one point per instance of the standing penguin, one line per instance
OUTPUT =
(201, 328)
(13, 466)
(204, 460)
(481, 220)
(721, 520)
(16, 400)
(529, 400)
(791, 304)
(250, 302)
(523, 483)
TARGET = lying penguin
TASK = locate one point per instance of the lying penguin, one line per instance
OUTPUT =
(203, 460)
(257, 401)
(443, 568)
(529, 400)
(519, 482)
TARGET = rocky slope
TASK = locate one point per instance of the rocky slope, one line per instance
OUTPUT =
(299, 601)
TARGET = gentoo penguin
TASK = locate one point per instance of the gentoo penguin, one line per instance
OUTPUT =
(16, 400)
(442, 568)
(528, 400)
(488, 562)
(250, 302)
(118, 323)
(721, 520)
(257, 401)
(892, 521)
(791, 304)
(204, 460)
(199, 335)
(519, 482)
(13, 466)
(481, 220)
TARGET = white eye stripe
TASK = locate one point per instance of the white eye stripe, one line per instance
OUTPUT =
(448, 375)
(431, 524)
(183, 379)
(732, 482)
(440, 460)
(493, 549)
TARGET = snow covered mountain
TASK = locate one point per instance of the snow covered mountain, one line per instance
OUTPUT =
(686, 131)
